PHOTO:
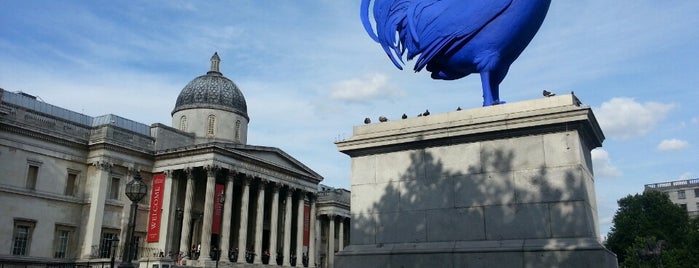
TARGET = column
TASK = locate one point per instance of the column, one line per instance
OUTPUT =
(274, 219)
(287, 228)
(331, 242)
(243, 231)
(341, 242)
(259, 224)
(187, 216)
(98, 195)
(299, 229)
(319, 240)
(168, 216)
(227, 211)
(273, 225)
(207, 223)
(312, 234)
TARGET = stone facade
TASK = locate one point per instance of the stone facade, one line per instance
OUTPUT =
(684, 193)
(64, 176)
(333, 221)
(501, 186)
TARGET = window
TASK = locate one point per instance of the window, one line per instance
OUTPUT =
(32, 175)
(183, 123)
(107, 241)
(237, 130)
(70, 183)
(62, 239)
(22, 237)
(696, 192)
(681, 195)
(684, 206)
(212, 123)
(114, 189)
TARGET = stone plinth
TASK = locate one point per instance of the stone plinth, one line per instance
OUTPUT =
(501, 186)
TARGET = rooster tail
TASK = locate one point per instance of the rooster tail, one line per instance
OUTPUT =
(364, 14)
(389, 16)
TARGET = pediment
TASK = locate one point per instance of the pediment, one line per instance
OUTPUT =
(276, 157)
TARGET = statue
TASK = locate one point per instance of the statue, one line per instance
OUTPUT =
(455, 38)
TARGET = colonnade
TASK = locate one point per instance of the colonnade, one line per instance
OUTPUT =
(261, 203)
(333, 225)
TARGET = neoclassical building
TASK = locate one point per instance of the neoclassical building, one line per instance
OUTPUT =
(63, 176)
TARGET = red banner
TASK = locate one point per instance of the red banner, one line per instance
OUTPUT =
(156, 204)
(218, 208)
(306, 225)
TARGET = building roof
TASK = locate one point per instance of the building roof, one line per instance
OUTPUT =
(212, 91)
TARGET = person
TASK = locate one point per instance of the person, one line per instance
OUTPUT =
(198, 250)
(233, 255)
(180, 258)
(193, 253)
(265, 257)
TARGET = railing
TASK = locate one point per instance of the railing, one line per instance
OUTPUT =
(39, 264)
(141, 252)
(672, 184)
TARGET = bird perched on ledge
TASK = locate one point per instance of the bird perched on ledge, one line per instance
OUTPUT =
(455, 38)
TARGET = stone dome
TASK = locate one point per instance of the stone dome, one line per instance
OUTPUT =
(212, 91)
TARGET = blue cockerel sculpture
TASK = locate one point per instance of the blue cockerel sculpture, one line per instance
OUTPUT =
(455, 38)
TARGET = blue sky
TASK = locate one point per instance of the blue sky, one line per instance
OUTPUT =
(309, 73)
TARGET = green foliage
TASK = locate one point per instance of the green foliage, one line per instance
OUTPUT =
(646, 222)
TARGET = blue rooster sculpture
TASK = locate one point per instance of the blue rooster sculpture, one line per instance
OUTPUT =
(455, 38)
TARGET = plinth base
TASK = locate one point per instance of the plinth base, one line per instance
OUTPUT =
(502, 186)
(538, 253)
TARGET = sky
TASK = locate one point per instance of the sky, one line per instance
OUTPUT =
(309, 73)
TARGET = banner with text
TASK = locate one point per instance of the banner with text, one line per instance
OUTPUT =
(306, 226)
(156, 203)
(218, 208)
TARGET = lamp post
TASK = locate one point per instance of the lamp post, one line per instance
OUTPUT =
(221, 199)
(113, 242)
(136, 189)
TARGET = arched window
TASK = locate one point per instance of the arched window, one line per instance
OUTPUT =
(183, 123)
(237, 130)
(212, 123)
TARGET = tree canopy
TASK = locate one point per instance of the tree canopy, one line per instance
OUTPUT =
(648, 229)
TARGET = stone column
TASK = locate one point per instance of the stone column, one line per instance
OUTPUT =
(167, 214)
(331, 242)
(259, 224)
(287, 229)
(319, 239)
(341, 234)
(243, 231)
(312, 234)
(274, 219)
(187, 216)
(207, 224)
(299, 228)
(227, 211)
(98, 195)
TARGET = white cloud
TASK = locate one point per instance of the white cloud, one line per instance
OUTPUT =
(672, 145)
(602, 164)
(624, 118)
(695, 120)
(373, 85)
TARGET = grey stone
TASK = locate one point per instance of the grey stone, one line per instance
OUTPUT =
(502, 186)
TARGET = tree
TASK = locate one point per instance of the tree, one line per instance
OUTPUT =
(645, 221)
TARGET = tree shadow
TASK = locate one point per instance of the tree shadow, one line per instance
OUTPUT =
(472, 205)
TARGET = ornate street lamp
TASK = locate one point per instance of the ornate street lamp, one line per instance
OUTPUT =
(136, 189)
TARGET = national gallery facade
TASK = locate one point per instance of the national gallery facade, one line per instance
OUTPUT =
(63, 179)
